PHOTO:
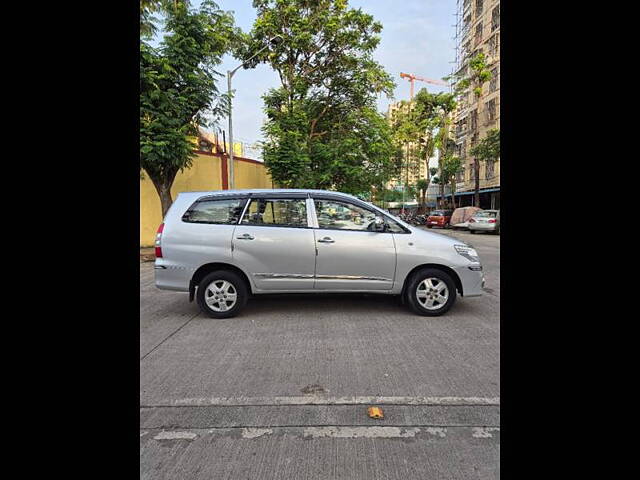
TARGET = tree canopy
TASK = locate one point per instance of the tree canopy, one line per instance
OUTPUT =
(178, 89)
(488, 149)
(322, 128)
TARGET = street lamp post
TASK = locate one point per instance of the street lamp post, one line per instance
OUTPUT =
(229, 77)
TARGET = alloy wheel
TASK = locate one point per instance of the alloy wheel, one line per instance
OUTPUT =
(220, 295)
(432, 293)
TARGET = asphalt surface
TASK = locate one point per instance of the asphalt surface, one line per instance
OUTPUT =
(281, 391)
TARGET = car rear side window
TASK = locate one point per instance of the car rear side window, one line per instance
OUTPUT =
(276, 212)
(223, 212)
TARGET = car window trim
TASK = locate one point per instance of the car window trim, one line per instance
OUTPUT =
(294, 196)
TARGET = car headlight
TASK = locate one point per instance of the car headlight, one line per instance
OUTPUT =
(467, 252)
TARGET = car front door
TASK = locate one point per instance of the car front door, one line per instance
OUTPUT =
(275, 244)
(350, 254)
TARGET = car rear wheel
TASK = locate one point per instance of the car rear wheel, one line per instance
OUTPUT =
(430, 292)
(221, 294)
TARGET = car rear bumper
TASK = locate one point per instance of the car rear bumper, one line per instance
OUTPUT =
(171, 277)
(485, 227)
(436, 223)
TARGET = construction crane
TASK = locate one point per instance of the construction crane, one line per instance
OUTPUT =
(412, 78)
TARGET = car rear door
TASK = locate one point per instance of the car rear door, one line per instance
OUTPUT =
(274, 242)
(350, 255)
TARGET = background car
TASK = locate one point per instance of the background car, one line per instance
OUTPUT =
(485, 221)
(461, 216)
(439, 218)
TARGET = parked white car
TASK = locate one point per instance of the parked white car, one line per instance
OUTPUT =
(485, 221)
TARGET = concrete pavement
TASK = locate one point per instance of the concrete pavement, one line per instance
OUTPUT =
(281, 391)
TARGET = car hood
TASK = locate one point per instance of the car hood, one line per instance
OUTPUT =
(434, 237)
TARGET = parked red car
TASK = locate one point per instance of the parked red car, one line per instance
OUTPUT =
(439, 218)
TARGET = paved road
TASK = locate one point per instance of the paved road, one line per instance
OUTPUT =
(281, 391)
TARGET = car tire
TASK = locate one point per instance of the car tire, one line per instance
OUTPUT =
(429, 226)
(433, 278)
(216, 283)
(472, 231)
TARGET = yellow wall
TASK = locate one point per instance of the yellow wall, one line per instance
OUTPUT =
(205, 174)
(251, 175)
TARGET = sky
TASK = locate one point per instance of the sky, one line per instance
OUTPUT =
(417, 38)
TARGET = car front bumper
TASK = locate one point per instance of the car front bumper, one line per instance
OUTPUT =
(472, 281)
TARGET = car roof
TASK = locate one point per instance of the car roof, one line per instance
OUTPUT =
(259, 191)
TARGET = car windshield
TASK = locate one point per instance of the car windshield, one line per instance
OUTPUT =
(486, 214)
(437, 213)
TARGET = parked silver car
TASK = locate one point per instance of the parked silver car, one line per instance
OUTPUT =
(485, 221)
(224, 246)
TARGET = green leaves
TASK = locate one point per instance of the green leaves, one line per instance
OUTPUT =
(488, 149)
(178, 87)
(474, 76)
(322, 128)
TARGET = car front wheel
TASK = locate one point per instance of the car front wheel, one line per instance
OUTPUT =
(221, 294)
(430, 292)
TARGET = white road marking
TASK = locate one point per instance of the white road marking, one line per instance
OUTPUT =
(437, 431)
(175, 436)
(255, 432)
(360, 432)
(323, 400)
(484, 432)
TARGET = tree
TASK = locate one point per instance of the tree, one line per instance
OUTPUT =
(322, 128)
(451, 166)
(147, 20)
(488, 149)
(422, 185)
(472, 79)
(418, 126)
(178, 89)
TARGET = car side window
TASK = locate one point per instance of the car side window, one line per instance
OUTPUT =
(277, 212)
(393, 226)
(223, 211)
(334, 214)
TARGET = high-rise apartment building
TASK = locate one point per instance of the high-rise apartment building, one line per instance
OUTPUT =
(478, 30)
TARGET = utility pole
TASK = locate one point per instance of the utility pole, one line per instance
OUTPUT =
(232, 178)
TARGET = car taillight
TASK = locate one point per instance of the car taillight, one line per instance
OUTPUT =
(493, 220)
(158, 238)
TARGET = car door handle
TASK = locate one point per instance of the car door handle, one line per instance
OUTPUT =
(326, 240)
(246, 236)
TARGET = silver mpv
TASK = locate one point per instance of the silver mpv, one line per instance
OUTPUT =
(224, 246)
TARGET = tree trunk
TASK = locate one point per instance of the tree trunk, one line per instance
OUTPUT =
(164, 192)
(453, 194)
(476, 168)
